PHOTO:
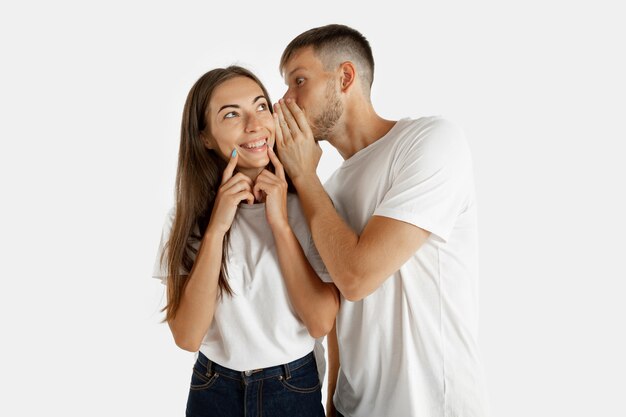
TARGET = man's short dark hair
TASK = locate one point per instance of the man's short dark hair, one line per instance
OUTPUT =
(334, 44)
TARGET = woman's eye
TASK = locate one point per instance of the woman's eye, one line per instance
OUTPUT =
(230, 115)
(299, 81)
(262, 107)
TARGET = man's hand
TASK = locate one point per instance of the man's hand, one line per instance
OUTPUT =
(297, 149)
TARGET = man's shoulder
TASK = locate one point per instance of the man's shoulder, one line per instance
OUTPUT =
(428, 132)
(427, 125)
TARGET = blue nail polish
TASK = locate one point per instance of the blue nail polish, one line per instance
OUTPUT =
(234, 153)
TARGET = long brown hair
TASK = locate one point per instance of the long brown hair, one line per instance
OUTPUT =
(197, 181)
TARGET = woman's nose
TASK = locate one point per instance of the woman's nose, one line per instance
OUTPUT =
(253, 123)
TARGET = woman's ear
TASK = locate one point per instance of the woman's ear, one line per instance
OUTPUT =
(208, 141)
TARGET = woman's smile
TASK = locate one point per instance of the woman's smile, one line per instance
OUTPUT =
(255, 146)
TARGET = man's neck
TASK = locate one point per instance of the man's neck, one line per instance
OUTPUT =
(358, 127)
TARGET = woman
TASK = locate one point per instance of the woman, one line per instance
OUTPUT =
(242, 274)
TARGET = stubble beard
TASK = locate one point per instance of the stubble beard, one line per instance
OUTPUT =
(332, 110)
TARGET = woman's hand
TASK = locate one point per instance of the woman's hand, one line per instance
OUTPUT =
(233, 190)
(274, 188)
(298, 150)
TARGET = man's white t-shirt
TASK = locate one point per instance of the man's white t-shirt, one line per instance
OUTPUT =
(257, 327)
(410, 347)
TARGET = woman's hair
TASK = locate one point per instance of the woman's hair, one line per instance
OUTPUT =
(198, 179)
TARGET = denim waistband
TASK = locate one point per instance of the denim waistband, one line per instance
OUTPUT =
(283, 370)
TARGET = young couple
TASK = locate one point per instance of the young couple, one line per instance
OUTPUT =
(261, 261)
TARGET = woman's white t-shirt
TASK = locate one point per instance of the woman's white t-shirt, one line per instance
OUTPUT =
(257, 327)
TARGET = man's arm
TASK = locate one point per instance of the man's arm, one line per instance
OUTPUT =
(357, 264)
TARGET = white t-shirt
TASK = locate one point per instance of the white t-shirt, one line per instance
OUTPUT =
(257, 327)
(410, 348)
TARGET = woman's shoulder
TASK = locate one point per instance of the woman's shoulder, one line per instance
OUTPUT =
(168, 219)
(293, 204)
(294, 209)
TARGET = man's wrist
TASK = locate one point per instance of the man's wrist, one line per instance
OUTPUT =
(305, 180)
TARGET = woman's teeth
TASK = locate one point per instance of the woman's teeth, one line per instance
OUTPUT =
(254, 145)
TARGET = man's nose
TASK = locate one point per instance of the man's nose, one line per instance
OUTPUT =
(289, 94)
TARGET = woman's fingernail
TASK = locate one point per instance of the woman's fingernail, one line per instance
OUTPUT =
(233, 153)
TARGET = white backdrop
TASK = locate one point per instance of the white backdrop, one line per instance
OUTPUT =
(91, 97)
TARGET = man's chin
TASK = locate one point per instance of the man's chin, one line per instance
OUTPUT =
(317, 136)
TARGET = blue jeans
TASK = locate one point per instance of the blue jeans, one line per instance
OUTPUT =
(288, 390)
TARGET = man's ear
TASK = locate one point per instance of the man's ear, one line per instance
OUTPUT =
(348, 76)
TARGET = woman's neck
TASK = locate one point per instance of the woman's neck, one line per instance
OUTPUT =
(251, 173)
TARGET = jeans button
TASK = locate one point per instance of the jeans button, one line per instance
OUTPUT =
(248, 373)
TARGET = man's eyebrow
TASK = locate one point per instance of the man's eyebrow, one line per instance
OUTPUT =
(237, 106)
(292, 71)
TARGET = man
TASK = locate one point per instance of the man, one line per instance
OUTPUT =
(398, 238)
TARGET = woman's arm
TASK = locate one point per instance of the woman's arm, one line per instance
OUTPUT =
(333, 370)
(197, 304)
(315, 301)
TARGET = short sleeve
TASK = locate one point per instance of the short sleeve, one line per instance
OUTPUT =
(160, 263)
(431, 178)
(316, 261)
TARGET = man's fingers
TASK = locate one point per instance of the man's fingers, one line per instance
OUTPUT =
(300, 117)
(280, 172)
(230, 168)
(291, 122)
(279, 131)
(284, 127)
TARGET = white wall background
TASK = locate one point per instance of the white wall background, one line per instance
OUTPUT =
(91, 95)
